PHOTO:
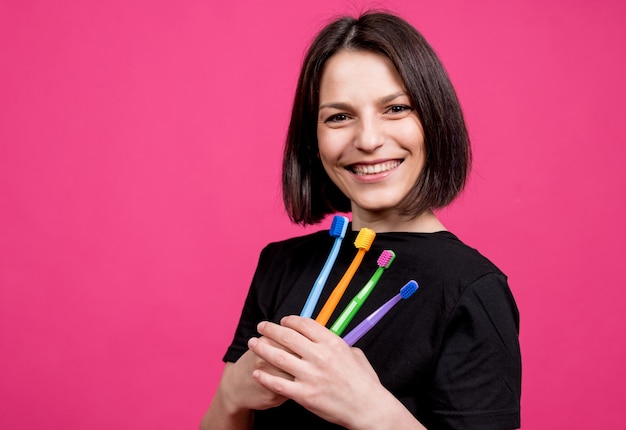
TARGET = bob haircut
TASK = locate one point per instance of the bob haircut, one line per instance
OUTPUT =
(308, 193)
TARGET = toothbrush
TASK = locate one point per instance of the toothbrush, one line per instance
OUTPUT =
(384, 261)
(359, 331)
(363, 242)
(337, 230)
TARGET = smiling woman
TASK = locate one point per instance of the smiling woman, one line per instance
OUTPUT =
(417, 74)
(376, 130)
(370, 139)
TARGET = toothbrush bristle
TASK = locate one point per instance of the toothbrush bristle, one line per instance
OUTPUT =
(386, 257)
(408, 290)
(365, 238)
(339, 226)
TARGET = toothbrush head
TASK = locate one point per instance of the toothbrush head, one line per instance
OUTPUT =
(385, 259)
(365, 238)
(408, 290)
(338, 227)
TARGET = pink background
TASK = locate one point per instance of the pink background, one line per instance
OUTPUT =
(140, 147)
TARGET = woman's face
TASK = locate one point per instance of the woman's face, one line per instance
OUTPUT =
(371, 142)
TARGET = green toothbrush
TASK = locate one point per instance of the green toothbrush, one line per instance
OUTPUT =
(384, 261)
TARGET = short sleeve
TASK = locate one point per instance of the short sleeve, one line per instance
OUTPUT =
(251, 313)
(477, 382)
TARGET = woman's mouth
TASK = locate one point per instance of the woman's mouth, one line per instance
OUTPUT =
(373, 169)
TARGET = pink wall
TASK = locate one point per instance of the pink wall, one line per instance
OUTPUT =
(139, 151)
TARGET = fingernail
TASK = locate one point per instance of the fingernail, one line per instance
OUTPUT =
(252, 342)
(260, 326)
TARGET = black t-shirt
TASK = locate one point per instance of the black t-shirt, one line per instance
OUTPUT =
(449, 353)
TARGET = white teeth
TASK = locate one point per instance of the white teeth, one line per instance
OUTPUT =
(362, 169)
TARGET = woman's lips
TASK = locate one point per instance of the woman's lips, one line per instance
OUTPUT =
(374, 168)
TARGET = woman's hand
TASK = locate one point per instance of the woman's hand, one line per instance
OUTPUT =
(238, 394)
(331, 379)
(242, 391)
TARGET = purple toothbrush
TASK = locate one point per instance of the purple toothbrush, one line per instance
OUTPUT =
(359, 331)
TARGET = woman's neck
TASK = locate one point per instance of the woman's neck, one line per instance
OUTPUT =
(426, 222)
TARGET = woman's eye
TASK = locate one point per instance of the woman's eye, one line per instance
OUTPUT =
(339, 117)
(400, 108)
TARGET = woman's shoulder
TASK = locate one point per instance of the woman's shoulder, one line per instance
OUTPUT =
(296, 245)
(442, 245)
(439, 256)
(451, 248)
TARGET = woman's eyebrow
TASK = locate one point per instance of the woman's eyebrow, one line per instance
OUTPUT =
(335, 105)
(346, 106)
(391, 97)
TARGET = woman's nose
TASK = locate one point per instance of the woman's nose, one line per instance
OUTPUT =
(370, 135)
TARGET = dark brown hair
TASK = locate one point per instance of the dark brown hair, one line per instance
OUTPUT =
(308, 193)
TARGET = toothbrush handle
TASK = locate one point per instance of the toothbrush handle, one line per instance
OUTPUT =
(318, 286)
(360, 330)
(355, 304)
(335, 296)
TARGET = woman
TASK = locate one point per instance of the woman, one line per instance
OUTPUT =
(377, 131)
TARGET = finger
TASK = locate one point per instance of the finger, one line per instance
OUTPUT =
(287, 338)
(275, 344)
(276, 356)
(261, 364)
(308, 327)
(277, 384)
